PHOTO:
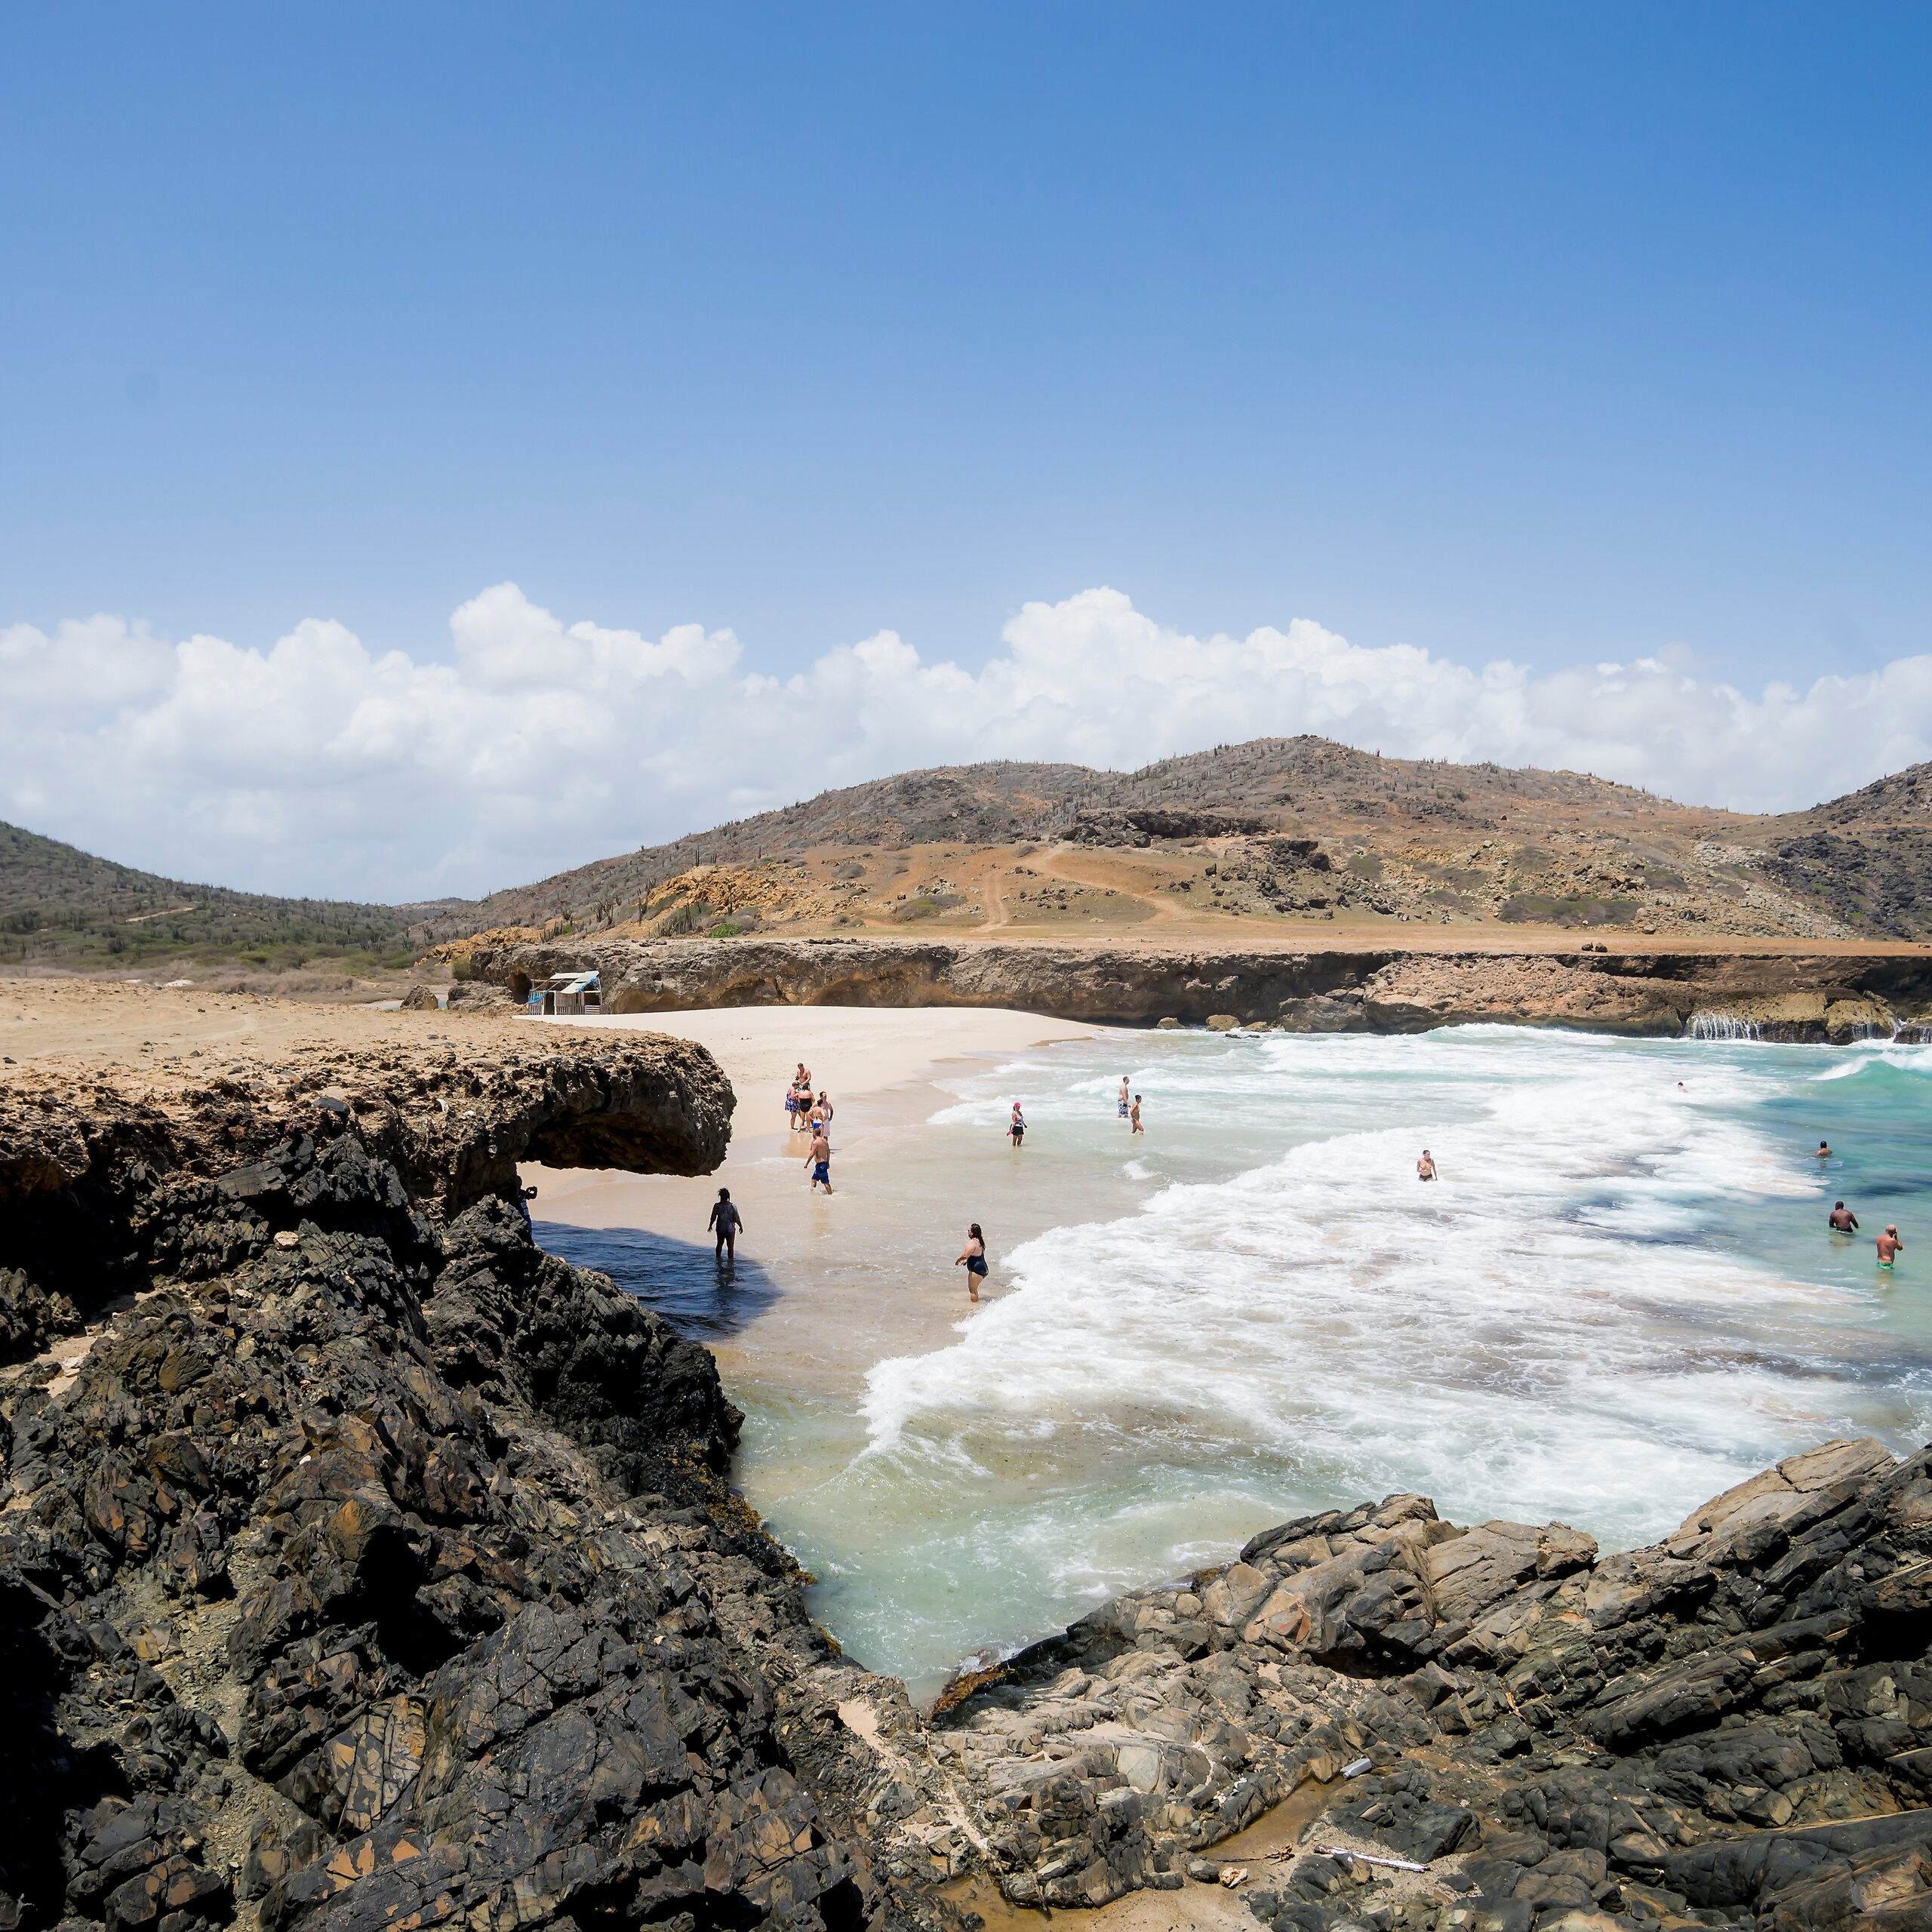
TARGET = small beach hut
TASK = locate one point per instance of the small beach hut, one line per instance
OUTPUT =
(567, 992)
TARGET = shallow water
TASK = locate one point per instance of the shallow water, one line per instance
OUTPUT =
(1620, 1297)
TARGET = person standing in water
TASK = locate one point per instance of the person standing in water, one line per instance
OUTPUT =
(1841, 1220)
(1123, 1096)
(1425, 1167)
(1134, 1115)
(818, 1159)
(824, 1111)
(1824, 1152)
(1016, 1128)
(1888, 1245)
(725, 1223)
(973, 1258)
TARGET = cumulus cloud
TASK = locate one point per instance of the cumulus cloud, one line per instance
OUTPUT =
(317, 766)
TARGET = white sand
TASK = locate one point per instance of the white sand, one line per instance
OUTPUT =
(850, 1050)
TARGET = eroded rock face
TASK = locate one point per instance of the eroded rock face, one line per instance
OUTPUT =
(374, 1569)
(1737, 1722)
(107, 1179)
(1390, 991)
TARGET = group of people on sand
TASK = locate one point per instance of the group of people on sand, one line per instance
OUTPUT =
(811, 1115)
(1842, 1221)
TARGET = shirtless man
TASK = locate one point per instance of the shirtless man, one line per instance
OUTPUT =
(1888, 1245)
(1425, 1167)
(819, 1160)
(1824, 1152)
(1842, 1220)
(1123, 1096)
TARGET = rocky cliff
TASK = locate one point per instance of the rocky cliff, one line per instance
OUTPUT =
(1787, 996)
(362, 1566)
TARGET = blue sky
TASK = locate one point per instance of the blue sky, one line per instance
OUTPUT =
(1557, 334)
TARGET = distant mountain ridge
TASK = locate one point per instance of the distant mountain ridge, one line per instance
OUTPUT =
(1472, 841)
(61, 907)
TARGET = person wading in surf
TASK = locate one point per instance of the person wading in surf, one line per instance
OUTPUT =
(1425, 1167)
(973, 1258)
(1889, 1245)
(725, 1222)
(1842, 1220)
(818, 1158)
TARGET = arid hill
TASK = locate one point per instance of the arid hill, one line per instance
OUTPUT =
(1278, 830)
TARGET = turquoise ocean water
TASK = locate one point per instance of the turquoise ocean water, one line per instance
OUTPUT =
(1619, 1298)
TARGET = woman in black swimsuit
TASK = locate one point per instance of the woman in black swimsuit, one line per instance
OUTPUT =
(974, 1257)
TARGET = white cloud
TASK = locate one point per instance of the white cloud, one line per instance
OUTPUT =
(316, 767)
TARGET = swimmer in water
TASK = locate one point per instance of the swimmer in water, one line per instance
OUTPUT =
(1888, 1245)
(1824, 1152)
(1425, 1167)
(1842, 1220)
(973, 1256)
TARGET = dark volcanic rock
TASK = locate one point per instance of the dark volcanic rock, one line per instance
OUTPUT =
(375, 1569)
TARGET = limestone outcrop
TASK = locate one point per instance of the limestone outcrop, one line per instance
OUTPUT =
(1826, 996)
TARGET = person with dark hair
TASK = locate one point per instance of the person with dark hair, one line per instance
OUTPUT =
(1841, 1220)
(973, 1258)
(725, 1222)
(1016, 1128)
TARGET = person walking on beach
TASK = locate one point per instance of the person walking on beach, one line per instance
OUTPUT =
(1134, 1116)
(973, 1259)
(725, 1223)
(1888, 1245)
(818, 1158)
(1016, 1128)
(1425, 1167)
(1123, 1096)
(1842, 1220)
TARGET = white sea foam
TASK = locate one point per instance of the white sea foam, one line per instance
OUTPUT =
(1542, 1331)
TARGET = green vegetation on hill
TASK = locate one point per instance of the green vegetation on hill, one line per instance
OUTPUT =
(60, 906)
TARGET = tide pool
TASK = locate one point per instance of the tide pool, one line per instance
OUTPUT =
(1619, 1298)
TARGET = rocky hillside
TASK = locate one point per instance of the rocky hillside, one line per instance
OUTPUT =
(362, 1566)
(1291, 829)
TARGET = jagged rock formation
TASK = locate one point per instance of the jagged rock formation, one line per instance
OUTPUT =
(374, 1569)
(1737, 1721)
(1832, 996)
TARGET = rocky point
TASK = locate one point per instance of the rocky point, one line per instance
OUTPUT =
(363, 1567)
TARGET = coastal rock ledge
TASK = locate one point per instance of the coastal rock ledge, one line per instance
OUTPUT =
(363, 1567)
(1638, 991)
